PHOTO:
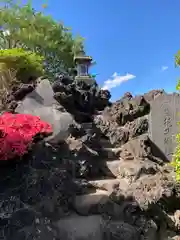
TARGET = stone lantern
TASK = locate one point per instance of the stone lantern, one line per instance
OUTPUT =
(83, 63)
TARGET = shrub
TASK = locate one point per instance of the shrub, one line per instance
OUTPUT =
(25, 63)
(18, 66)
(17, 132)
(7, 80)
(176, 158)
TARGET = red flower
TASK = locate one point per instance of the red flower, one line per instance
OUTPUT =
(17, 132)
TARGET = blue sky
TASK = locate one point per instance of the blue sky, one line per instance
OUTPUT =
(135, 39)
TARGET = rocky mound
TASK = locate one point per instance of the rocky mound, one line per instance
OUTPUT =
(98, 177)
(80, 99)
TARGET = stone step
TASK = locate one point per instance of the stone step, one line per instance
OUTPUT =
(96, 203)
(85, 203)
(105, 184)
(109, 184)
(87, 125)
(80, 227)
(83, 186)
(110, 153)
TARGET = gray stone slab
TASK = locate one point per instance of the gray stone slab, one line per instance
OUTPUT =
(60, 123)
(43, 94)
(81, 227)
(41, 103)
(163, 118)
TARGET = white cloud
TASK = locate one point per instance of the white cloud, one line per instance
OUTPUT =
(117, 80)
(164, 68)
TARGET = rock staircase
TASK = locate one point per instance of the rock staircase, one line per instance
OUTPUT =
(93, 205)
(96, 192)
(94, 202)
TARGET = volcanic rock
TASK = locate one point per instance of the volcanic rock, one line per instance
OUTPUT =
(34, 191)
(121, 231)
(27, 224)
(126, 110)
(150, 96)
(79, 98)
(107, 180)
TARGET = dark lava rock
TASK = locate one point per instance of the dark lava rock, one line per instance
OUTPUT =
(137, 127)
(25, 224)
(38, 183)
(80, 98)
(126, 118)
(126, 110)
(153, 191)
(142, 148)
(117, 135)
(150, 96)
(22, 91)
(85, 158)
(40, 187)
(17, 93)
(120, 230)
(127, 96)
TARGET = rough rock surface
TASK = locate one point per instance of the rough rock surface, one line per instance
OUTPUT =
(33, 192)
(79, 98)
(107, 180)
(145, 194)
(127, 110)
(17, 93)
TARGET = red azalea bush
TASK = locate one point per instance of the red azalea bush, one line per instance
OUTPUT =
(17, 132)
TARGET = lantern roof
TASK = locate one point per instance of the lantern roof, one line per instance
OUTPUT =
(82, 58)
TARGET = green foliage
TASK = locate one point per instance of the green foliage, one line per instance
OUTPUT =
(7, 81)
(17, 66)
(23, 27)
(177, 59)
(22, 61)
(176, 158)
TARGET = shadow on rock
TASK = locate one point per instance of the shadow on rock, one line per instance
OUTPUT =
(39, 185)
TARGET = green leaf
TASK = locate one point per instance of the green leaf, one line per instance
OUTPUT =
(39, 33)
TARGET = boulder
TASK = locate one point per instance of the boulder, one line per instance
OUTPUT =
(155, 187)
(117, 135)
(108, 170)
(92, 227)
(137, 127)
(16, 94)
(127, 109)
(121, 231)
(41, 102)
(80, 98)
(77, 227)
(42, 96)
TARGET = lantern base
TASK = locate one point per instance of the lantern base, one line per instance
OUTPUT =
(87, 79)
